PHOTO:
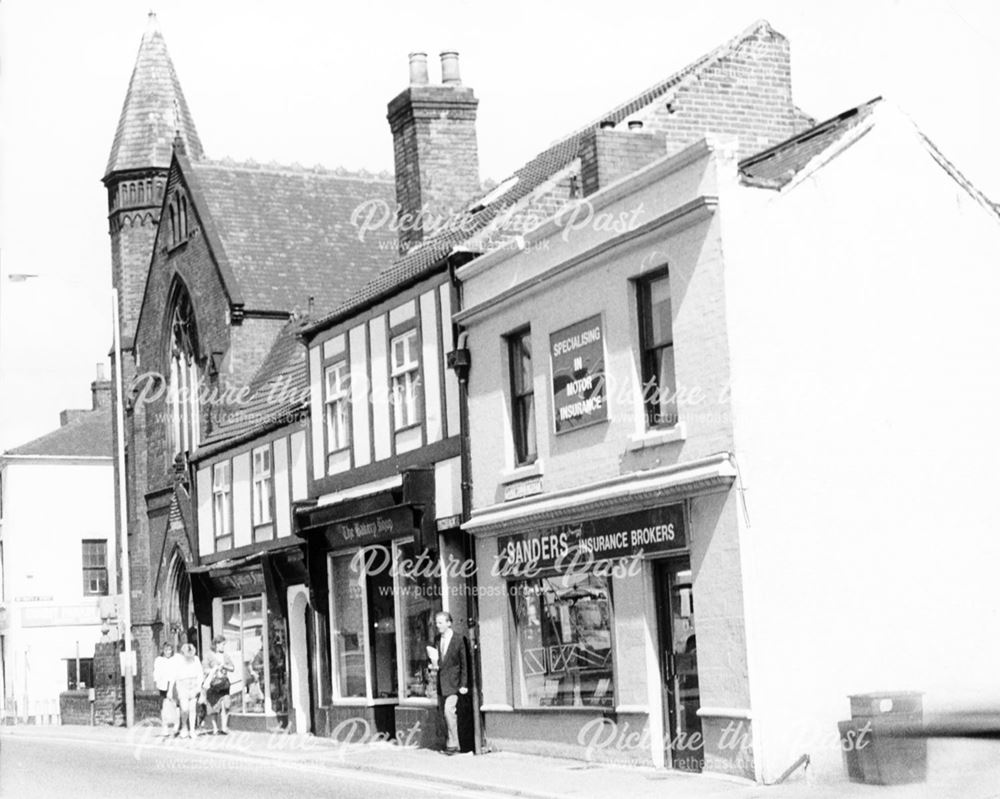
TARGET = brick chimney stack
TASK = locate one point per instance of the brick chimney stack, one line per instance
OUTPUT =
(100, 390)
(434, 139)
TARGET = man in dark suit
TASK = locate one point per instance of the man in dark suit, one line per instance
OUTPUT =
(453, 675)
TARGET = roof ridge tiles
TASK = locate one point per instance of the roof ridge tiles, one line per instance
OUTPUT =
(275, 167)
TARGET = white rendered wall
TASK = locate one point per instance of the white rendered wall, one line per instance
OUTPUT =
(865, 342)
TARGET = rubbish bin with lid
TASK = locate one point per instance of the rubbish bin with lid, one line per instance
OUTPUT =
(881, 742)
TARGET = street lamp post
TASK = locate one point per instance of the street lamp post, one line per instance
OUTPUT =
(128, 659)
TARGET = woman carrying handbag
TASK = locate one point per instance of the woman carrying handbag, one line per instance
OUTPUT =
(218, 667)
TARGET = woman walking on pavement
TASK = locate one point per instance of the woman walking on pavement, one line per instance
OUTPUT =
(163, 677)
(188, 679)
(218, 667)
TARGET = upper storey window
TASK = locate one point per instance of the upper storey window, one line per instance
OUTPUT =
(657, 345)
(405, 377)
(182, 391)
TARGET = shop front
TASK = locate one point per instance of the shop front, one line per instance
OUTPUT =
(590, 634)
(375, 571)
(244, 600)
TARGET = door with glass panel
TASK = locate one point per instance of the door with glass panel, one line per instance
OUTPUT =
(679, 665)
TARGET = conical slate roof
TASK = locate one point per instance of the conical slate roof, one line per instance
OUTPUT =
(154, 112)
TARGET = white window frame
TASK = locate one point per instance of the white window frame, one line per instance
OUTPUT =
(337, 405)
(404, 375)
(222, 503)
(263, 485)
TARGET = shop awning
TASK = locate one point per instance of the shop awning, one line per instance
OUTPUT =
(268, 572)
(406, 509)
(622, 494)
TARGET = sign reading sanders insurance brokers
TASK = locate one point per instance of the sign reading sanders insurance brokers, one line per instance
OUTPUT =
(579, 396)
(645, 531)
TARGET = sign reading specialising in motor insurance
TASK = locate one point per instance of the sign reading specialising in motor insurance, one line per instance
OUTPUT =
(579, 395)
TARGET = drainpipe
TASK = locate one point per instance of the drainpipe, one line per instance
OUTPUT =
(461, 368)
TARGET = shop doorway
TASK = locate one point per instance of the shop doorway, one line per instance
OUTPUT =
(299, 657)
(683, 743)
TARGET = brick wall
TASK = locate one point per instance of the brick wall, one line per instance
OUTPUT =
(74, 707)
(132, 225)
(108, 704)
(436, 154)
(609, 155)
(748, 93)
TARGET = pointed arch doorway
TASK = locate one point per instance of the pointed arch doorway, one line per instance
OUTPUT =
(179, 625)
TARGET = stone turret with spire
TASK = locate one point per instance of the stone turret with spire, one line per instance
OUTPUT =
(154, 119)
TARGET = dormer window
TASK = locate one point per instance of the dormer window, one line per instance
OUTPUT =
(182, 391)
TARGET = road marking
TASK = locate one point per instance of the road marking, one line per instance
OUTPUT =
(429, 785)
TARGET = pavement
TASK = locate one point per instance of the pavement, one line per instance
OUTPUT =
(529, 776)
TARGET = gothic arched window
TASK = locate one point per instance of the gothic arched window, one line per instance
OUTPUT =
(182, 389)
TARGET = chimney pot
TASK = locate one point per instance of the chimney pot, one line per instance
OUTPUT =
(418, 69)
(635, 124)
(607, 124)
(449, 69)
(100, 371)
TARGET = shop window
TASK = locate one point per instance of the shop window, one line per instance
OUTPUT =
(222, 505)
(348, 628)
(419, 601)
(78, 680)
(263, 494)
(522, 393)
(562, 641)
(657, 348)
(95, 567)
(382, 641)
(405, 374)
(398, 603)
(243, 627)
(338, 429)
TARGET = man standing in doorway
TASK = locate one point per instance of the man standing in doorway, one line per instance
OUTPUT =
(453, 675)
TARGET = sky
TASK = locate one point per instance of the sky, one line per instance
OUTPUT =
(308, 83)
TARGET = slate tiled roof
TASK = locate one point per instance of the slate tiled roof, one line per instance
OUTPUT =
(277, 395)
(87, 436)
(287, 232)
(776, 166)
(154, 112)
(424, 258)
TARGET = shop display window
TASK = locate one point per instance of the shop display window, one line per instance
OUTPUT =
(383, 621)
(419, 601)
(243, 626)
(562, 641)
(348, 627)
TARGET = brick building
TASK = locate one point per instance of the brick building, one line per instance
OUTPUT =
(363, 479)
(709, 515)
(642, 252)
(211, 260)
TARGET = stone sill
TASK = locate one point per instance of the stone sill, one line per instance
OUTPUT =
(656, 437)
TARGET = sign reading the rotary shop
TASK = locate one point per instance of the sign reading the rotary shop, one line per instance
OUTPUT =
(579, 396)
(647, 532)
